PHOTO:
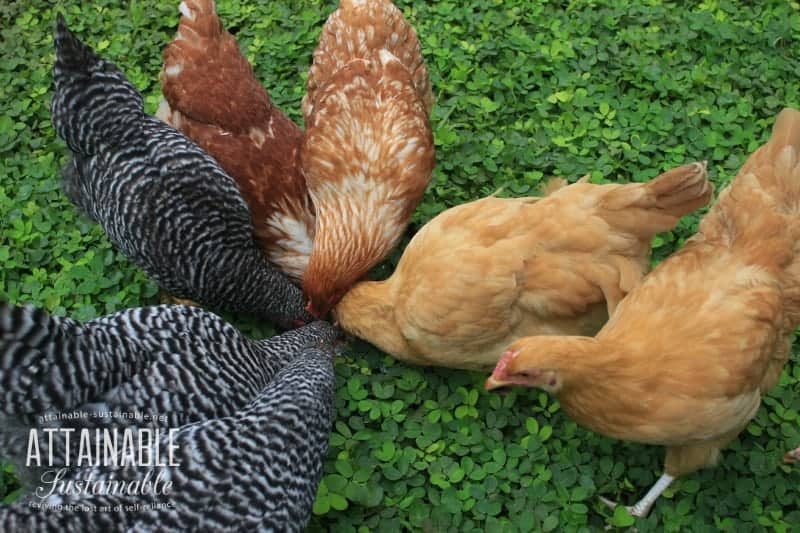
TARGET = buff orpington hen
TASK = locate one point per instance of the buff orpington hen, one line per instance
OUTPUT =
(213, 97)
(368, 150)
(689, 353)
(163, 201)
(485, 273)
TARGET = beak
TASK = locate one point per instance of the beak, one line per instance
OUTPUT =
(311, 311)
(492, 383)
(501, 369)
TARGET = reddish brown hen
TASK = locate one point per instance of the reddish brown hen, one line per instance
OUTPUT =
(368, 152)
(356, 31)
(213, 97)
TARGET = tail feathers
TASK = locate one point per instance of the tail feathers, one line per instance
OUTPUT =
(71, 53)
(645, 209)
(206, 79)
(357, 30)
(93, 103)
(759, 211)
(199, 21)
(776, 164)
(681, 190)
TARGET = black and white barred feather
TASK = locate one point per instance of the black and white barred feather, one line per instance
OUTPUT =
(256, 470)
(161, 366)
(161, 199)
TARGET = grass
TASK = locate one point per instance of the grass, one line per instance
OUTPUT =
(525, 90)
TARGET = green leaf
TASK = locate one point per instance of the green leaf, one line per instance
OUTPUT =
(622, 517)
(550, 523)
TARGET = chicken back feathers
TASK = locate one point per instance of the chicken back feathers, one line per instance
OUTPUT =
(368, 153)
(357, 30)
(686, 357)
(161, 199)
(213, 97)
(163, 362)
(500, 269)
(254, 466)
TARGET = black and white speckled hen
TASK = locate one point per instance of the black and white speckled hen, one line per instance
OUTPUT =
(263, 410)
(161, 199)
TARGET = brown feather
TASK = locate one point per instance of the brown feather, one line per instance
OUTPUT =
(367, 158)
(358, 29)
(214, 98)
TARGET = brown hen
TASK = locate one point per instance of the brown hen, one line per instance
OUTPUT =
(213, 97)
(482, 274)
(688, 354)
(368, 152)
(357, 30)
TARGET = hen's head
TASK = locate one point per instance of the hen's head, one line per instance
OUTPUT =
(512, 369)
(324, 287)
(550, 363)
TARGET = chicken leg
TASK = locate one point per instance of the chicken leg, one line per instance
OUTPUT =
(642, 507)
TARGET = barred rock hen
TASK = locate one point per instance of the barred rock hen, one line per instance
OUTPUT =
(689, 353)
(168, 365)
(482, 274)
(368, 153)
(263, 412)
(214, 98)
(163, 201)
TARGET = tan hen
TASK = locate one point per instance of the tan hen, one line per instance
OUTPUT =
(688, 354)
(482, 274)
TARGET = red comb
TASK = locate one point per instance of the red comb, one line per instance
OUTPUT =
(500, 368)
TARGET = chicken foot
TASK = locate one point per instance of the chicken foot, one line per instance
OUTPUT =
(642, 508)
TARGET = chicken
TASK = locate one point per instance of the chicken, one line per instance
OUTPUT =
(164, 202)
(688, 354)
(213, 97)
(165, 363)
(368, 150)
(484, 273)
(357, 30)
(253, 418)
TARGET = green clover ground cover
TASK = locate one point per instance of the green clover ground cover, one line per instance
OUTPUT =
(525, 90)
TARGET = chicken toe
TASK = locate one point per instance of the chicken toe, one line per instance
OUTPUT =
(642, 508)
